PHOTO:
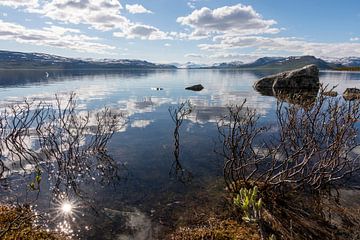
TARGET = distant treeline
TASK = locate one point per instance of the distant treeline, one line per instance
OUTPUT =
(348, 69)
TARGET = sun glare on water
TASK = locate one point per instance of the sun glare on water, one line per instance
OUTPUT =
(66, 208)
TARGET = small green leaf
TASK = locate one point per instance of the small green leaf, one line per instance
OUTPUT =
(38, 179)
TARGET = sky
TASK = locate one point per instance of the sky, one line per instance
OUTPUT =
(179, 31)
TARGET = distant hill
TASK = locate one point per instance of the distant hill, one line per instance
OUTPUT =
(283, 64)
(264, 61)
(234, 64)
(20, 60)
(190, 65)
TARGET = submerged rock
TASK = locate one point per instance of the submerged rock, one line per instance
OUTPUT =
(131, 224)
(351, 94)
(303, 78)
(330, 94)
(197, 87)
(303, 98)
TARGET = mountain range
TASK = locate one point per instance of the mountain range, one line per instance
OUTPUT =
(20, 60)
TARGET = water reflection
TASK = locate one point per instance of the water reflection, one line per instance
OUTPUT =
(178, 114)
(36, 77)
(302, 97)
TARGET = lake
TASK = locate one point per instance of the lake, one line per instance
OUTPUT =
(150, 197)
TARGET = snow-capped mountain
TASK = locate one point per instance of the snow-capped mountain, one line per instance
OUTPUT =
(191, 65)
(17, 60)
(233, 64)
(347, 61)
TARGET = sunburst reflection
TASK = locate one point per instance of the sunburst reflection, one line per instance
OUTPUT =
(64, 214)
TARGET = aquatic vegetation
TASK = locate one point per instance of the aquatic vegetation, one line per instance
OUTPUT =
(19, 222)
(311, 150)
(217, 229)
(312, 147)
(59, 139)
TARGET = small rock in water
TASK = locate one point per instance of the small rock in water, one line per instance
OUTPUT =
(157, 89)
(197, 87)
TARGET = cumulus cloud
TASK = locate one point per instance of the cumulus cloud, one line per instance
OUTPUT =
(231, 20)
(354, 39)
(99, 14)
(137, 8)
(143, 32)
(102, 15)
(53, 36)
(19, 3)
(268, 45)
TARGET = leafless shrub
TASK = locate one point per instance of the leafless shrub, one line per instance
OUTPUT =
(313, 148)
(16, 125)
(178, 115)
(237, 133)
(70, 145)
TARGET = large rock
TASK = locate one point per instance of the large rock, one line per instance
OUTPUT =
(303, 78)
(351, 94)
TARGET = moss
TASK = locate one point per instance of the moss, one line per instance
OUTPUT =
(217, 230)
(18, 223)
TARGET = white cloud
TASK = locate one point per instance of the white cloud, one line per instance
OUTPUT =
(241, 27)
(103, 15)
(193, 55)
(191, 5)
(137, 8)
(354, 39)
(167, 45)
(231, 20)
(53, 36)
(99, 14)
(269, 45)
(19, 3)
(225, 56)
(144, 32)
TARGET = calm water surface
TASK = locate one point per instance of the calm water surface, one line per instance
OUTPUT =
(149, 197)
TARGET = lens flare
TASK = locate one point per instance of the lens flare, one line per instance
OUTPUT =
(66, 208)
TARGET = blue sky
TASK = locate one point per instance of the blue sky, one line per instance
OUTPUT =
(165, 31)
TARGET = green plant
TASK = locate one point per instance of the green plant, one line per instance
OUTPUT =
(250, 203)
(35, 185)
(272, 237)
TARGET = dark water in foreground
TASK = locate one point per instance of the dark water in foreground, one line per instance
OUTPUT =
(149, 196)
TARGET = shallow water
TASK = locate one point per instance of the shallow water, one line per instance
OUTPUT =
(148, 197)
